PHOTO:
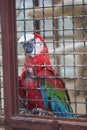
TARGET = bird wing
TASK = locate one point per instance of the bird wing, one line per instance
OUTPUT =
(54, 94)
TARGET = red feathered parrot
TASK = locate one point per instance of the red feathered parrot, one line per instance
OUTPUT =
(39, 85)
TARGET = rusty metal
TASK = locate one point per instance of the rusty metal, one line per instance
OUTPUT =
(2, 120)
(8, 26)
(86, 105)
(41, 123)
(12, 119)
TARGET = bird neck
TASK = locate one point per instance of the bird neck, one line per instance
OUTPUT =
(37, 62)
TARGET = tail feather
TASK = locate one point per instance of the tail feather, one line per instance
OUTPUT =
(61, 110)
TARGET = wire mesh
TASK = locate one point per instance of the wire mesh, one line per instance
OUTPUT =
(62, 24)
(1, 78)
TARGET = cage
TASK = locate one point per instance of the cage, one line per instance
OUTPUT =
(63, 27)
(43, 71)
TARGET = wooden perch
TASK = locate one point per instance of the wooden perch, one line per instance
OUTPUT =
(68, 8)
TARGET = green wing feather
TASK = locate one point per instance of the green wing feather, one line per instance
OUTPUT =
(55, 94)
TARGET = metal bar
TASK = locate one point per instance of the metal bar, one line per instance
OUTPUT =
(1, 60)
(37, 22)
(46, 123)
(33, 123)
(0, 10)
(9, 51)
(86, 105)
(2, 121)
(10, 83)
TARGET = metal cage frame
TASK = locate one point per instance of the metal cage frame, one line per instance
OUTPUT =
(11, 119)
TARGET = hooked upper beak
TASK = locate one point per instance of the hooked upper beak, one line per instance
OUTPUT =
(28, 47)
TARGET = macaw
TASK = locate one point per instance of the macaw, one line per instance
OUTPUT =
(39, 85)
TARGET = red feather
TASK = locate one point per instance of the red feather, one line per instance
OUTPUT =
(41, 65)
(30, 90)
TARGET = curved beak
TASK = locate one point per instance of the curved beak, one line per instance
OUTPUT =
(28, 47)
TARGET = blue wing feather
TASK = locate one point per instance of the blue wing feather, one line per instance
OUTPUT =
(44, 97)
(57, 100)
(58, 108)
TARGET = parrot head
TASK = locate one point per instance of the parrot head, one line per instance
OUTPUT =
(36, 50)
(33, 44)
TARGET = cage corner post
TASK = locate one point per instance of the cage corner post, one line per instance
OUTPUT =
(9, 51)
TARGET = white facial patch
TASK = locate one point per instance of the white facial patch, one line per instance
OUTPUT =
(39, 46)
(26, 38)
(37, 43)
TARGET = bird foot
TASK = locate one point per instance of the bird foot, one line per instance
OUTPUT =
(23, 111)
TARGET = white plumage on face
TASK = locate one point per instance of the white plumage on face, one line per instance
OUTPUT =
(26, 38)
(32, 46)
(39, 46)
